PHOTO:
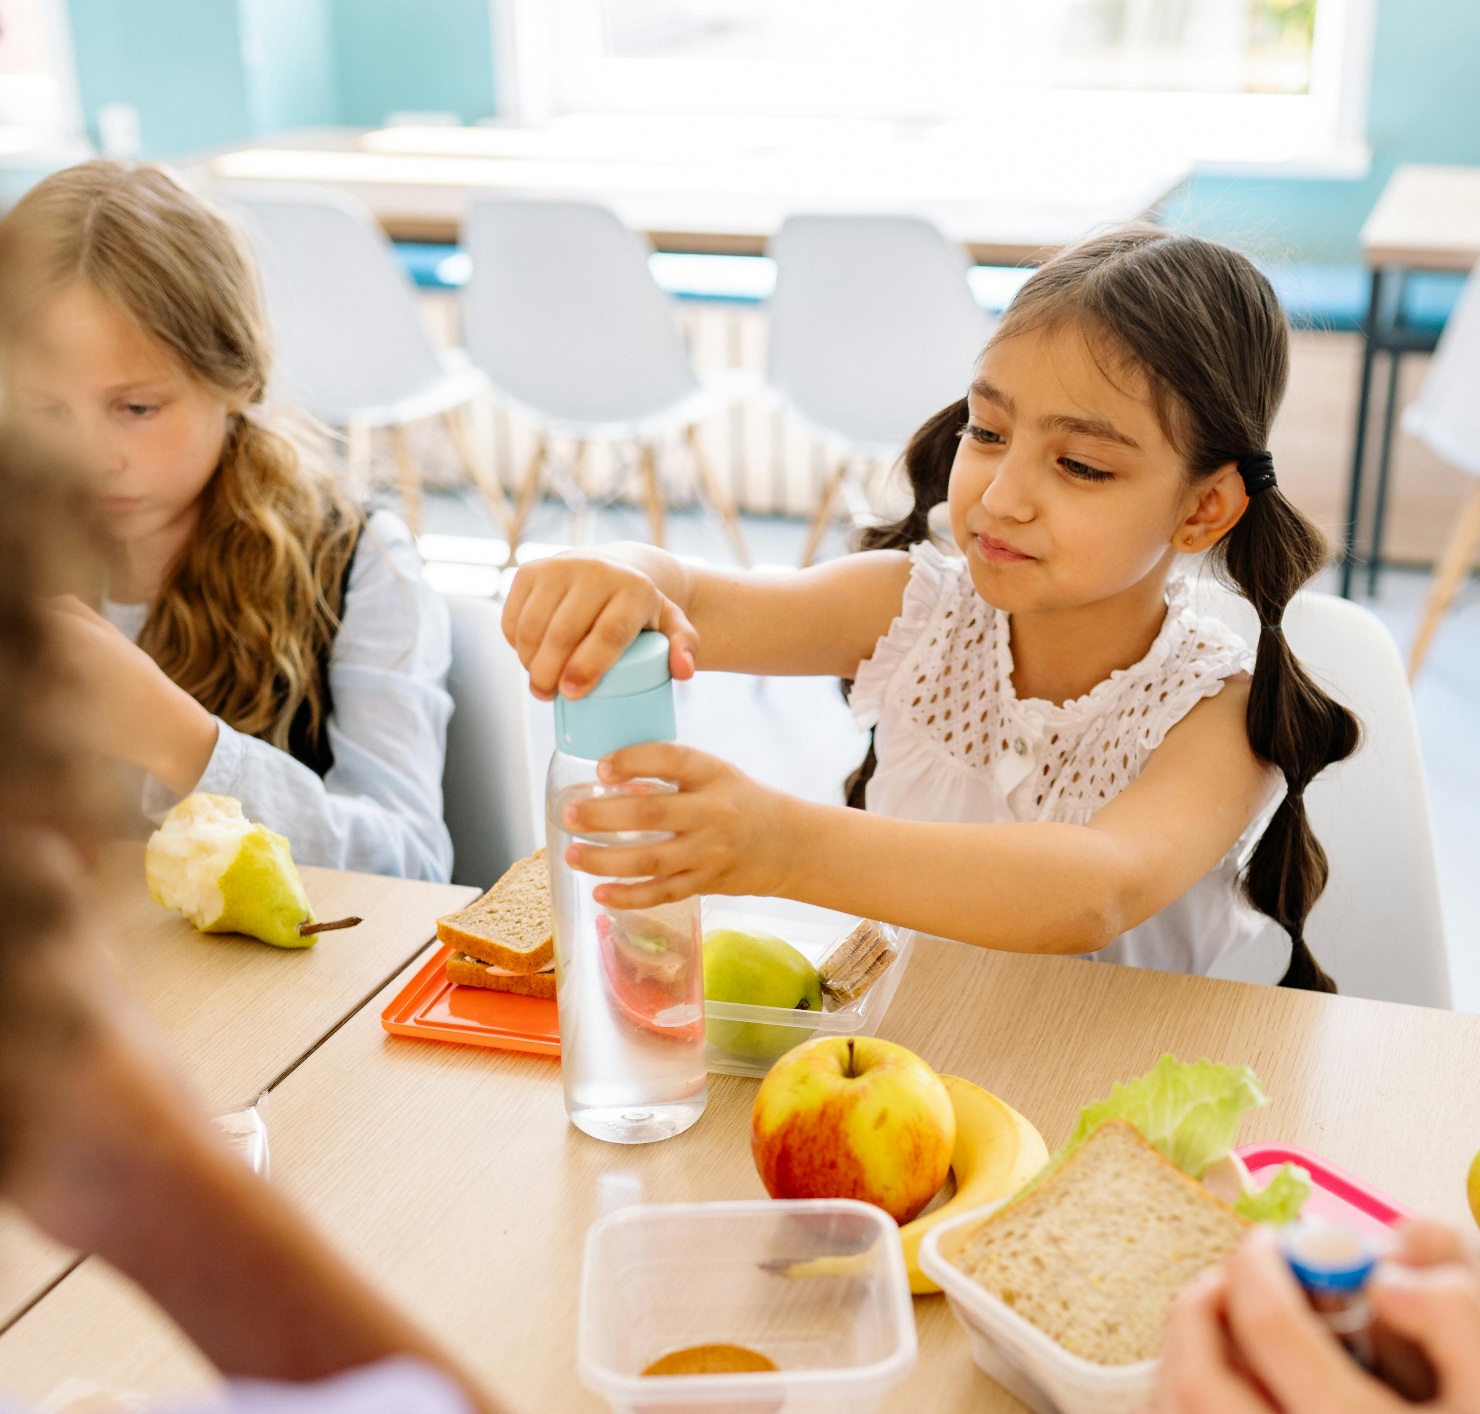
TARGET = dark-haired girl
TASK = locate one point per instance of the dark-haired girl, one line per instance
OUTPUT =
(1069, 760)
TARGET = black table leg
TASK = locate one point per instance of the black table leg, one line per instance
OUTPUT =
(1384, 461)
(1359, 449)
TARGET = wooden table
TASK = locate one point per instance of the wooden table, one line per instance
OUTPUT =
(692, 187)
(1427, 218)
(240, 1014)
(451, 1177)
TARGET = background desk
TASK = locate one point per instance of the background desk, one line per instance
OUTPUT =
(240, 1014)
(452, 1179)
(1427, 218)
(689, 192)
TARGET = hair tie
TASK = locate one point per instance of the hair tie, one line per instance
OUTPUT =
(1257, 471)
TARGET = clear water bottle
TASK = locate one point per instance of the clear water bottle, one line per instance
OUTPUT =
(629, 982)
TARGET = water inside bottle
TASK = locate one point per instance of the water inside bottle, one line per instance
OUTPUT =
(630, 986)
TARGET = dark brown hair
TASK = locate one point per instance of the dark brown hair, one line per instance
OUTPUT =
(50, 791)
(1204, 329)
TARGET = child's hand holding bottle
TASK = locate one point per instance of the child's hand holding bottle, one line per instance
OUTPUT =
(729, 834)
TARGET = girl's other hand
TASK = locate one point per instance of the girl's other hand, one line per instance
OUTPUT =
(728, 835)
(130, 708)
(572, 616)
(1244, 1340)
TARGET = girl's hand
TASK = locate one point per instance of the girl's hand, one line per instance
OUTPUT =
(130, 709)
(728, 834)
(572, 616)
(1243, 1340)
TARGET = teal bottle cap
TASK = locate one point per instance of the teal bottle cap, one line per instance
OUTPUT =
(632, 704)
(641, 668)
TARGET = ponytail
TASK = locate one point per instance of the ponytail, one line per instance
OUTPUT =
(927, 466)
(1291, 722)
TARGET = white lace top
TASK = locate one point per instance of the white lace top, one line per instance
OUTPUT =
(955, 744)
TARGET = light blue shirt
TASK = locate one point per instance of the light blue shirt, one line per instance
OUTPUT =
(379, 807)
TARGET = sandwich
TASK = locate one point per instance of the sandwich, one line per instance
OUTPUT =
(1095, 1256)
(1145, 1194)
(505, 940)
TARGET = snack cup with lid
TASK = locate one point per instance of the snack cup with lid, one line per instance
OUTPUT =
(662, 1278)
(1024, 1360)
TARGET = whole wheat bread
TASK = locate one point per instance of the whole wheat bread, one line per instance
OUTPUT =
(1096, 1254)
(469, 972)
(512, 926)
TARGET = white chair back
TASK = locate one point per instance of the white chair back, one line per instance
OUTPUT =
(1377, 929)
(349, 335)
(564, 316)
(1446, 413)
(493, 783)
(872, 326)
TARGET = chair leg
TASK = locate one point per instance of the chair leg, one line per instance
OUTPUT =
(652, 491)
(580, 507)
(1449, 574)
(474, 468)
(528, 490)
(357, 449)
(408, 478)
(821, 520)
(716, 494)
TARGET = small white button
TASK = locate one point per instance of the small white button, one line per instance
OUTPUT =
(1020, 746)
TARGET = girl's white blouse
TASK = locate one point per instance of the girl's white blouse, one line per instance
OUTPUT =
(956, 745)
(379, 807)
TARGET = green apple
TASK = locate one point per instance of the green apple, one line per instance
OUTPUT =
(757, 969)
(227, 875)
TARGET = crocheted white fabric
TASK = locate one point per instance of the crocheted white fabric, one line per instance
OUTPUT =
(945, 669)
(956, 744)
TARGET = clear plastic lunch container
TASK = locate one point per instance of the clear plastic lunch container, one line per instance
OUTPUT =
(748, 1040)
(1024, 1360)
(662, 1278)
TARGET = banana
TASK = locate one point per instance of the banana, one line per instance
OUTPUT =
(997, 1151)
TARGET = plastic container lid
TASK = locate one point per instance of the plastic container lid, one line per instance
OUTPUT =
(632, 704)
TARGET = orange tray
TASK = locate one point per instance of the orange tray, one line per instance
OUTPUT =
(430, 1008)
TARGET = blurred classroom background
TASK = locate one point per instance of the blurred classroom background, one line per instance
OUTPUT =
(567, 270)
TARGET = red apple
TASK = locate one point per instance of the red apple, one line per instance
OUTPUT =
(853, 1117)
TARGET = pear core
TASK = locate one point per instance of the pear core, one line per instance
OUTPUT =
(226, 874)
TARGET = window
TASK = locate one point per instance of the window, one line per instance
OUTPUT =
(1244, 80)
(38, 103)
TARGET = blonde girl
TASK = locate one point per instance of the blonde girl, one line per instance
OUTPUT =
(261, 637)
(1069, 759)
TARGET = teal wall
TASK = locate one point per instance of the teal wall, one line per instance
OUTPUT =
(288, 51)
(422, 55)
(177, 61)
(1424, 107)
(202, 73)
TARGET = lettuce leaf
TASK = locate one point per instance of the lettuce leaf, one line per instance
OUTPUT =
(1191, 1111)
(1280, 1200)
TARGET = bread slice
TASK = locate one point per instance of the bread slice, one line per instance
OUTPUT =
(1097, 1253)
(513, 925)
(470, 972)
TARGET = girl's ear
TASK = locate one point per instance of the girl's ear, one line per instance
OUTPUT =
(1221, 503)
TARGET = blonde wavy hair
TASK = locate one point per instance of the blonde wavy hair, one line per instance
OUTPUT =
(249, 612)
